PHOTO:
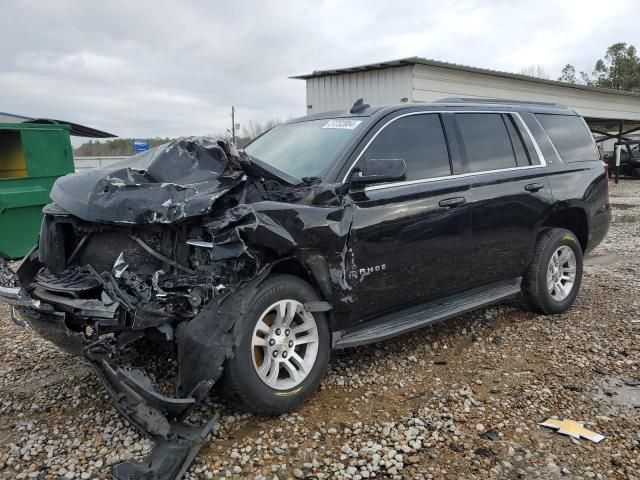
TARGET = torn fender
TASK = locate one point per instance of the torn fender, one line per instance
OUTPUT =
(207, 340)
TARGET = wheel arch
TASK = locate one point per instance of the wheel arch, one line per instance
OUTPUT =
(313, 273)
(572, 218)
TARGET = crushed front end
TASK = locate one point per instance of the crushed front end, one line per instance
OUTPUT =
(158, 251)
(96, 289)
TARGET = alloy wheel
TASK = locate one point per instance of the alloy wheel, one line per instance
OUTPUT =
(561, 273)
(284, 345)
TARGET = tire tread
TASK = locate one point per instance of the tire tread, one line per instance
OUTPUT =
(532, 294)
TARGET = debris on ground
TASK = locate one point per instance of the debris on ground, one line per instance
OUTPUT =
(572, 428)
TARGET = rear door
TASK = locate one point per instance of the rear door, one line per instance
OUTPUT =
(510, 193)
(410, 240)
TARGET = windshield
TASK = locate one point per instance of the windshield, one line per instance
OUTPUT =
(304, 149)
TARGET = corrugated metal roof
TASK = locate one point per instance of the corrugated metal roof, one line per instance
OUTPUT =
(455, 66)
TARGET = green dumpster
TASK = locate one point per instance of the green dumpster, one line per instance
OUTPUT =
(32, 157)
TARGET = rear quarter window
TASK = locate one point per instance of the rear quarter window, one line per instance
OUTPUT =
(570, 136)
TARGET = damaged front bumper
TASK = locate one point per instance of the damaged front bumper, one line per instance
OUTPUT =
(15, 296)
(203, 344)
(158, 416)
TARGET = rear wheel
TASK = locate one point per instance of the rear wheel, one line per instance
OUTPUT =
(553, 279)
(283, 351)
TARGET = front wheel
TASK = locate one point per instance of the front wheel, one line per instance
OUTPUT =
(283, 351)
(553, 279)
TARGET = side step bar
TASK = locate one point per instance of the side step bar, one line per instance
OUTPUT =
(413, 318)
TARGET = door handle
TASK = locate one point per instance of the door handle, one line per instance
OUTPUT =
(534, 187)
(451, 202)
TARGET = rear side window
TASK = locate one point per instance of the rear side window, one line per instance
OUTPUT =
(419, 140)
(486, 141)
(569, 135)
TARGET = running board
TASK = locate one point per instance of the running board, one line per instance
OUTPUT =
(410, 319)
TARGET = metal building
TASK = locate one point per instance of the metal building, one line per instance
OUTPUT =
(610, 113)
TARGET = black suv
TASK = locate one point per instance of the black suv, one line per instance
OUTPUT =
(629, 160)
(329, 231)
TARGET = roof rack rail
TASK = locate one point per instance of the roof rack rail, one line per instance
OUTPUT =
(495, 100)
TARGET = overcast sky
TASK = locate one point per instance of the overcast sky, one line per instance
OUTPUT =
(156, 68)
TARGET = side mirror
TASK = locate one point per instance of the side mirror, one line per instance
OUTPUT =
(375, 170)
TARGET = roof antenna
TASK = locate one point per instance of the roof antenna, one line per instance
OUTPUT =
(359, 106)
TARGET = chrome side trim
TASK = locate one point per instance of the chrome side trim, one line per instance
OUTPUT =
(516, 115)
(435, 179)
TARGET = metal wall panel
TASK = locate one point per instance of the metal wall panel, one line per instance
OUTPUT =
(386, 86)
(433, 83)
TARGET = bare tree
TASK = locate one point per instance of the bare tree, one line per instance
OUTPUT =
(255, 128)
(536, 71)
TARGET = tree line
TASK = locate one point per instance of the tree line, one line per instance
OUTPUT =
(618, 70)
(119, 147)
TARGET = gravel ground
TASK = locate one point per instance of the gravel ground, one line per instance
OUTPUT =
(460, 399)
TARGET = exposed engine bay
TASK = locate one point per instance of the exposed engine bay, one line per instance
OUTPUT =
(168, 247)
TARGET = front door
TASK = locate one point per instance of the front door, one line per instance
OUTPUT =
(409, 240)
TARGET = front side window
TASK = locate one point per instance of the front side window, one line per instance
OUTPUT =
(570, 136)
(417, 139)
(486, 141)
(304, 149)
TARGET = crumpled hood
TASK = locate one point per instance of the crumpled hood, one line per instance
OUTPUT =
(174, 181)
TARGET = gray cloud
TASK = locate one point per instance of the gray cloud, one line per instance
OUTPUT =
(163, 68)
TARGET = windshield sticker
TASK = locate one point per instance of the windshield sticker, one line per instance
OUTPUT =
(345, 124)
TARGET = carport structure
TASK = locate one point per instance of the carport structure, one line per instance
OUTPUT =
(609, 113)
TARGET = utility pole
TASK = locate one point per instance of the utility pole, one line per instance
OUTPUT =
(233, 125)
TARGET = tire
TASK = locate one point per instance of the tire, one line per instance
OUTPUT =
(635, 173)
(538, 280)
(241, 381)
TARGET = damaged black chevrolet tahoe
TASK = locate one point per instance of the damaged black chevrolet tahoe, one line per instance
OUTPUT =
(329, 231)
